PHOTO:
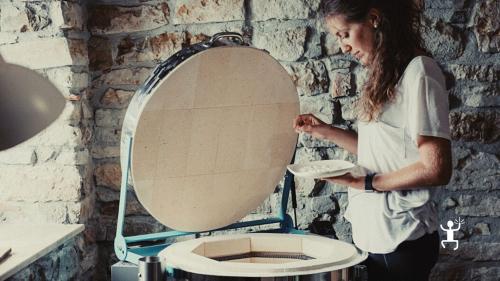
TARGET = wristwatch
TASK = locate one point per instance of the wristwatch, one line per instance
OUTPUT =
(369, 182)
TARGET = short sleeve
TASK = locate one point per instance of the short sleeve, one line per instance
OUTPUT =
(428, 109)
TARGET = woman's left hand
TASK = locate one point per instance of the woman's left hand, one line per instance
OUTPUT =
(357, 182)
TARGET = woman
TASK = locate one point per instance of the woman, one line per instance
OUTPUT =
(403, 137)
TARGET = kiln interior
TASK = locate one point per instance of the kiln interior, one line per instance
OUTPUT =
(275, 250)
(253, 250)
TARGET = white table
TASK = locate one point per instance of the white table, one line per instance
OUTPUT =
(30, 242)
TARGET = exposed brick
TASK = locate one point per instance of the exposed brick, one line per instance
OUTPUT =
(475, 171)
(40, 183)
(475, 126)
(79, 53)
(321, 106)
(7, 38)
(113, 98)
(485, 21)
(282, 44)
(112, 118)
(67, 135)
(73, 16)
(124, 76)
(478, 95)
(19, 155)
(100, 53)
(109, 175)
(154, 48)
(107, 136)
(442, 4)
(38, 15)
(63, 156)
(110, 208)
(203, 11)
(330, 44)
(105, 194)
(200, 37)
(13, 17)
(140, 225)
(73, 157)
(282, 9)
(348, 108)
(67, 81)
(341, 83)
(449, 203)
(65, 77)
(476, 206)
(443, 40)
(310, 78)
(165, 45)
(482, 229)
(107, 19)
(41, 53)
(101, 152)
(39, 212)
(475, 72)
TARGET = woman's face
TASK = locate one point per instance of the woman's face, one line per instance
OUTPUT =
(356, 39)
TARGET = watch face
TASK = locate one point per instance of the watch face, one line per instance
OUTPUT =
(368, 183)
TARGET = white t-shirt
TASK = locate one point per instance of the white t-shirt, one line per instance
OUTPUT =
(382, 220)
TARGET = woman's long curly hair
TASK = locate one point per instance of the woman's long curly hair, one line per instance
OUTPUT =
(397, 38)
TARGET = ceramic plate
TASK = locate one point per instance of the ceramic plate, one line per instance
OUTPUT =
(321, 169)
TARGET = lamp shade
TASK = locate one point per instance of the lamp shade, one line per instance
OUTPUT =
(28, 104)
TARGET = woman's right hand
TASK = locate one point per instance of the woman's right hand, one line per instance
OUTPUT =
(310, 124)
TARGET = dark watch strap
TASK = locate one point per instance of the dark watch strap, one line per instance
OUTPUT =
(369, 182)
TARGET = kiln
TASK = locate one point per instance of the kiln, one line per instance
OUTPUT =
(206, 140)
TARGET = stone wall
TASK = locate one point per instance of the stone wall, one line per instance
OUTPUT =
(49, 179)
(61, 264)
(126, 39)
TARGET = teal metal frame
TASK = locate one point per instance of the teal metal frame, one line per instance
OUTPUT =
(126, 251)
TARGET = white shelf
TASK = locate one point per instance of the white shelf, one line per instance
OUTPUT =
(30, 242)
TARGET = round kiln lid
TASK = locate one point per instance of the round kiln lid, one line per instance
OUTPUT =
(214, 139)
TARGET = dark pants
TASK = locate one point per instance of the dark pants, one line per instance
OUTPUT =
(411, 261)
